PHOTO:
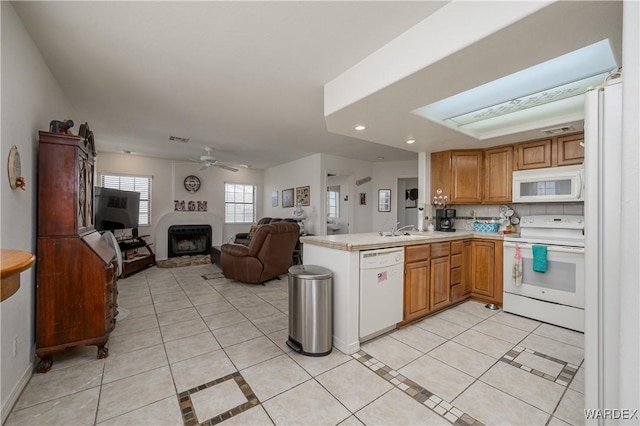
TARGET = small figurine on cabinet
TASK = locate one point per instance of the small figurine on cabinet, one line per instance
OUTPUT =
(61, 126)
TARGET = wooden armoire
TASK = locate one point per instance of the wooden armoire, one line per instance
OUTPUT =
(75, 267)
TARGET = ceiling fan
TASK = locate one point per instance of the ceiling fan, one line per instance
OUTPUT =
(209, 160)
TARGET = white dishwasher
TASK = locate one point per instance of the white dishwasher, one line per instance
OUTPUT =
(381, 290)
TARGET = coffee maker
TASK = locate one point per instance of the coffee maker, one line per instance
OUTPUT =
(444, 220)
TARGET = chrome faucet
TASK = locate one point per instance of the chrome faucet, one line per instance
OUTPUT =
(394, 231)
(405, 227)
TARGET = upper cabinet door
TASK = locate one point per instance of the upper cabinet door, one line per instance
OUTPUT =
(534, 155)
(440, 174)
(466, 177)
(498, 169)
(569, 150)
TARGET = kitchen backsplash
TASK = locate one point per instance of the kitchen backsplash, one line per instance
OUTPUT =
(465, 213)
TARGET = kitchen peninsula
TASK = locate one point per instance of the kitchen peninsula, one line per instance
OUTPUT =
(473, 271)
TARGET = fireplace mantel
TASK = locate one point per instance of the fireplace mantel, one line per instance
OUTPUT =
(185, 218)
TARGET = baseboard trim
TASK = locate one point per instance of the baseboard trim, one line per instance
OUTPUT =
(17, 390)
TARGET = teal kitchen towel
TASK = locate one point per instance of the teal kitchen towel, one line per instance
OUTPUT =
(539, 258)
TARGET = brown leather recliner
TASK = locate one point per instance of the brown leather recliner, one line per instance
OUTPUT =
(245, 237)
(268, 255)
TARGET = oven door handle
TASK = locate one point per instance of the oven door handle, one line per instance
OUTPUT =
(559, 249)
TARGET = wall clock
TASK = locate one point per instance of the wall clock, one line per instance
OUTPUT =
(192, 183)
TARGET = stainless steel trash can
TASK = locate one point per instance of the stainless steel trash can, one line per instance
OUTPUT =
(310, 310)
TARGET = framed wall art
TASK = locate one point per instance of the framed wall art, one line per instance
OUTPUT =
(384, 200)
(303, 196)
(363, 198)
(287, 197)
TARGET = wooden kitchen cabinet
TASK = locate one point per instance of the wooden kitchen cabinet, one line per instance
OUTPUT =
(460, 270)
(466, 177)
(440, 276)
(569, 151)
(416, 281)
(441, 174)
(440, 288)
(498, 170)
(486, 270)
(534, 154)
(76, 289)
(458, 174)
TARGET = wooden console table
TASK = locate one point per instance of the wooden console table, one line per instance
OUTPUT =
(131, 262)
(12, 262)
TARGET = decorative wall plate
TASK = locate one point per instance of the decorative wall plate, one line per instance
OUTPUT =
(192, 183)
(14, 167)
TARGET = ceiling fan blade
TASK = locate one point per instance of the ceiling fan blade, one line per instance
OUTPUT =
(244, 166)
(224, 166)
(204, 166)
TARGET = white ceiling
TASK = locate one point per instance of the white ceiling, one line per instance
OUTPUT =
(247, 78)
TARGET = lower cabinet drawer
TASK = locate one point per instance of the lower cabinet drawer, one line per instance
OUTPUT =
(457, 293)
(439, 250)
(416, 253)
(456, 276)
(456, 260)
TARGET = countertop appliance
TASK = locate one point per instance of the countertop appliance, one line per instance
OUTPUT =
(557, 295)
(445, 219)
(553, 184)
(381, 291)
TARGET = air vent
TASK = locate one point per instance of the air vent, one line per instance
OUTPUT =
(178, 139)
(558, 130)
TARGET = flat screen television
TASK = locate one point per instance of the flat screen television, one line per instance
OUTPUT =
(116, 209)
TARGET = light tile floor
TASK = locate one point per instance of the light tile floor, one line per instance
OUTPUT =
(193, 350)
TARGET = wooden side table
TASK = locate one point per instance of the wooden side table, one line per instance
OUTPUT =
(215, 255)
(12, 262)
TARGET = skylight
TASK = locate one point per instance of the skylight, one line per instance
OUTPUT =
(546, 94)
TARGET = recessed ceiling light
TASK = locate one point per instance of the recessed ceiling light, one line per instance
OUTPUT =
(410, 141)
(128, 152)
(360, 127)
(380, 158)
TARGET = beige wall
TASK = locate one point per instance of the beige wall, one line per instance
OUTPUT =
(168, 185)
(31, 98)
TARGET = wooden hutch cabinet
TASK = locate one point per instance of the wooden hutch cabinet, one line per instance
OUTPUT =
(76, 292)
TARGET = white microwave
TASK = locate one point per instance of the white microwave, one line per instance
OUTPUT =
(553, 184)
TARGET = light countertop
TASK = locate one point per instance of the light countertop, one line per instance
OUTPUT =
(373, 240)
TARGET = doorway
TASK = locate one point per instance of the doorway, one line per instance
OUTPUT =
(407, 199)
(337, 204)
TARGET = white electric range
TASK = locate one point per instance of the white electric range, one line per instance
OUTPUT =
(555, 296)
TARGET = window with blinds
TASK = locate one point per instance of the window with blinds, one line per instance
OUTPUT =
(141, 184)
(239, 203)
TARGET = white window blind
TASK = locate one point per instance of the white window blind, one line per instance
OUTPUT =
(239, 203)
(141, 184)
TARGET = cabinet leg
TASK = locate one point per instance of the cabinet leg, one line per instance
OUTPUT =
(46, 361)
(103, 351)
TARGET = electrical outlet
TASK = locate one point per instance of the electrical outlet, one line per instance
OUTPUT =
(472, 213)
(15, 346)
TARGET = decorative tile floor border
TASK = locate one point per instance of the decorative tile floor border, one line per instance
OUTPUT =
(417, 392)
(563, 378)
(189, 417)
